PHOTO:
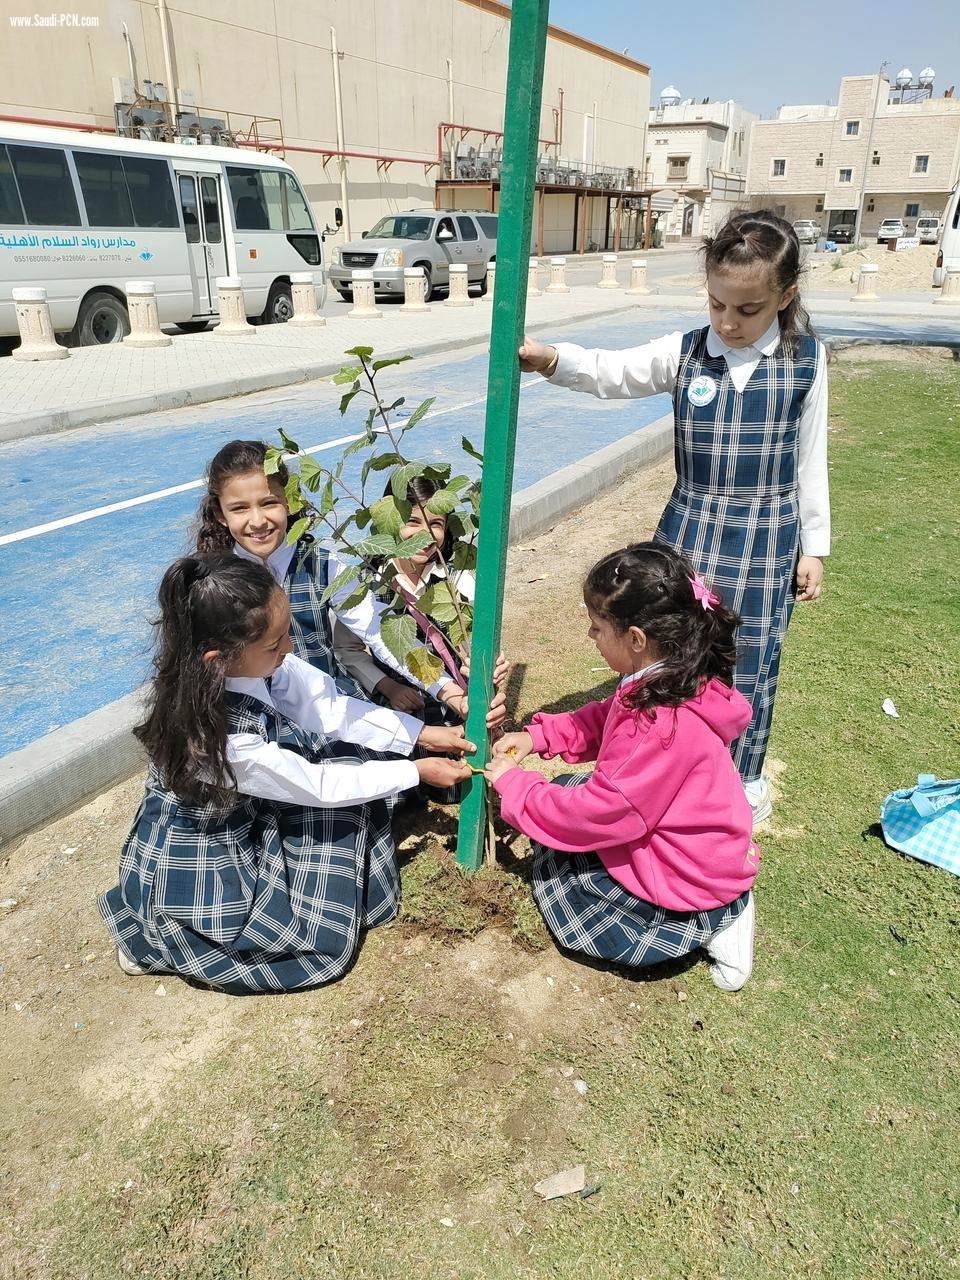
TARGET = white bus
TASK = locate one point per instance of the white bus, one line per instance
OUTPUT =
(82, 213)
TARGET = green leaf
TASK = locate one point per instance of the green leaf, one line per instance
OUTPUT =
(310, 470)
(410, 546)
(298, 529)
(400, 480)
(467, 447)
(354, 598)
(387, 516)
(287, 442)
(343, 579)
(424, 665)
(419, 412)
(349, 373)
(362, 517)
(442, 502)
(383, 364)
(347, 397)
(459, 638)
(362, 353)
(372, 416)
(380, 461)
(399, 633)
(464, 556)
(273, 460)
(437, 602)
(293, 496)
(378, 544)
(361, 442)
(457, 483)
(327, 500)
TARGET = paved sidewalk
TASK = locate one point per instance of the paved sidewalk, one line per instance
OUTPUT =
(97, 384)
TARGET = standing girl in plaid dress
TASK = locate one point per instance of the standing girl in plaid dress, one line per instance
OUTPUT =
(750, 507)
(260, 852)
(650, 856)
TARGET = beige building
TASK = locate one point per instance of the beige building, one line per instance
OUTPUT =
(380, 106)
(875, 151)
(697, 162)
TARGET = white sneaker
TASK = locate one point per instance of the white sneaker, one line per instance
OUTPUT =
(731, 950)
(130, 967)
(758, 793)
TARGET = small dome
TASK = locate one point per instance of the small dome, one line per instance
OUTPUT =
(927, 75)
(904, 77)
(670, 96)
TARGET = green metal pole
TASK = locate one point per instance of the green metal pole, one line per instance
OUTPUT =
(528, 39)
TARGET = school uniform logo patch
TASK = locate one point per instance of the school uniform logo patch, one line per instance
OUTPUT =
(701, 391)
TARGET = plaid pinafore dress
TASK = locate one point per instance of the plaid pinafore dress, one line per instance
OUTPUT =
(264, 897)
(310, 624)
(734, 509)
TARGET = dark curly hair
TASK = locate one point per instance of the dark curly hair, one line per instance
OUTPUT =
(236, 458)
(749, 238)
(214, 602)
(650, 586)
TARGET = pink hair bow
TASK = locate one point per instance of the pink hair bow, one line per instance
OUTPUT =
(703, 593)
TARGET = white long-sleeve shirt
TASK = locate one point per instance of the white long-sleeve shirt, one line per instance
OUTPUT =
(652, 368)
(310, 698)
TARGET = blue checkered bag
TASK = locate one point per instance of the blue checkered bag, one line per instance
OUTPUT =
(924, 821)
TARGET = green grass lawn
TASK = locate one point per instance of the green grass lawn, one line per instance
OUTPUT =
(393, 1125)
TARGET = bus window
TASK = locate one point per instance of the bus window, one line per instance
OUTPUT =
(151, 192)
(104, 189)
(249, 203)
(188, 203)
(296, 210)
(211, 211)
(46, 187)
(11, 210)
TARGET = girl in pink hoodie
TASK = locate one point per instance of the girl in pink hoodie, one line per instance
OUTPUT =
(650, 856)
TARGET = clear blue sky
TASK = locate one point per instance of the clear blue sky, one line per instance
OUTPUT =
(769, 54)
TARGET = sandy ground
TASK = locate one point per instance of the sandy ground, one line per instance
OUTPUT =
(910, 271)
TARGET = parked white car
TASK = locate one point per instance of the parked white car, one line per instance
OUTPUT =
(891, 229)
(808, 231)
(928, 230)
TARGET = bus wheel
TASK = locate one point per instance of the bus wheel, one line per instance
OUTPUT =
(102, 320)
(279, 306)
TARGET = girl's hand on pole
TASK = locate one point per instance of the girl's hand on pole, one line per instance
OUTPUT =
(400, 696)
(498, 766)
(537, 357)
(452, 696)
(498, 710)
(512, 747)
(501, 670)
(809, 577)
(441, 738)
(440, 771)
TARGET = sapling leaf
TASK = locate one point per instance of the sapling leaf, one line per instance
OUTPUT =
(457, 483)
(362, 353)
(327, 500)
(362, 517)
(410, 546)
(298, 529)
(441, 502)
(309, 470)
(386, 516)
(419, 412)
(455, 633)
(347, 397)
(289, 444)
(437, 602)
(291, 491)
(355, 597)
(349, 373)
(464, 556)
(424, 665)
(361, 442)
(272, 460)
(389, 408)
(380, 461)
(371, 419)
(383, 364)
(343, 579)
(379, 544)
(399, 633)
(467, 447)
(400, 480)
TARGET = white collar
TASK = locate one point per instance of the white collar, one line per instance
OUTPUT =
(278, 562)
(252, 686)
(634, 676)
(765, 345)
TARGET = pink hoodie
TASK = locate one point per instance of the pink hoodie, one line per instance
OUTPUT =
(664, 808)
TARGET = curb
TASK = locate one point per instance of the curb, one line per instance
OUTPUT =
(67, 767)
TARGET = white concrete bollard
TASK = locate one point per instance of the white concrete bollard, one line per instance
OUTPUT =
(144, 320)
(638, 276)
(558, 276)
(363, 296)
(866, 283)
(533, 279)
(37, 340)
(459, 295)
(950, 289)
(414, 290)
(491, 281)
(233, 311)
(608, 272)
(303, 290)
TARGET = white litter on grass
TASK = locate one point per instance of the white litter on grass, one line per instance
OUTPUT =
(888, 707)
(568, 1182)
(581, 1087)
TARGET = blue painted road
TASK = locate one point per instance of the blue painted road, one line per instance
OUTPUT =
(76, 601)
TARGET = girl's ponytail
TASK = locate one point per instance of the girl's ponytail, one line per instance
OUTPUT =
(210, 608)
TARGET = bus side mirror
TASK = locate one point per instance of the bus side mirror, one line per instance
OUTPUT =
(338, 216)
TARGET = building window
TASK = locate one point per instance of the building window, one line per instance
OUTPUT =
(818, 207)
(870, 205)
(853, 128)
(912, 211)
(844, 175)
(677, 166)
(921, 164)
(819, 161)
(778, 168)
(875, 158)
